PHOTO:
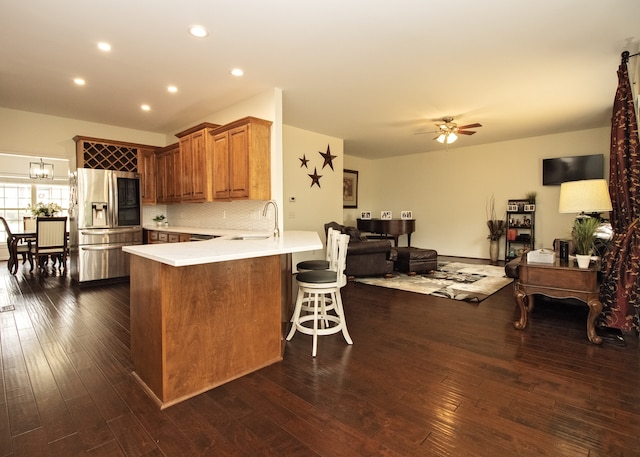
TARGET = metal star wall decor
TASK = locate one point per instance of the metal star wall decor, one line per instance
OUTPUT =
(304, 161)
(328, 158)
(315, 177)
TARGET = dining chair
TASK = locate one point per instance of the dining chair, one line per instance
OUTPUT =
(51, 240)
(29, 224)
(16, 247)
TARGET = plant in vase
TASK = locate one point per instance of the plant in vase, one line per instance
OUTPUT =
(44, 209)
(584, 237)
(497, 228)
(159, 219)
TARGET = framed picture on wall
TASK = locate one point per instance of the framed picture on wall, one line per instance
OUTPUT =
(349, 189)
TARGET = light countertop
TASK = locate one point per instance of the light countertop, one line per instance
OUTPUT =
(199, 230)
(226, 247)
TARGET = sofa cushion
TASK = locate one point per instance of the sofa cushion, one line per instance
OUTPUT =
(354, 234)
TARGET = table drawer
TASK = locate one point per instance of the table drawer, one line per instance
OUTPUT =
(572, 279)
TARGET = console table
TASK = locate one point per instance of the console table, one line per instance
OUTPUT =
(392, 227)
(559, 280)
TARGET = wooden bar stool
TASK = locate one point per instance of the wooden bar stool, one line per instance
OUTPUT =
(320, 264)
(319, 294)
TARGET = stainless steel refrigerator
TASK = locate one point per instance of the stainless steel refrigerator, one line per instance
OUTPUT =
(105, 214)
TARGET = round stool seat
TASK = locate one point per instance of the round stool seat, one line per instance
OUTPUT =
(317, 276)
(313, 265)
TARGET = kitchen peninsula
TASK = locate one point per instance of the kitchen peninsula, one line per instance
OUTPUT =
(207, 312)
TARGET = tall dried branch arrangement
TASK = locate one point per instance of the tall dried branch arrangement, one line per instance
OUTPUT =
(496, 226)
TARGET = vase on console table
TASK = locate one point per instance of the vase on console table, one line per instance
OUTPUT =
(494, 250)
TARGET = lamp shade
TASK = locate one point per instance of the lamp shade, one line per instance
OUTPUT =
(586, 196)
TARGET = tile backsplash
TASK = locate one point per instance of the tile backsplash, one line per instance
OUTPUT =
(238, 215)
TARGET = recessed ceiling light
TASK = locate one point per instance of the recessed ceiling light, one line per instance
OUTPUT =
(198, 31)
(79, 81)
(104, 46)
(145, 107)
(172, 89)
(237, 72)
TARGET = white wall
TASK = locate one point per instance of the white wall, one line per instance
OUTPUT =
(448, 191)
(366, 186)
(34, 134)
(313, 206)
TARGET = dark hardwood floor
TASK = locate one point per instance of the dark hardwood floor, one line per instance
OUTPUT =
(425, 377)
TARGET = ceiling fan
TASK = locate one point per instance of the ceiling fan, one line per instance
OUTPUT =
(448, 130)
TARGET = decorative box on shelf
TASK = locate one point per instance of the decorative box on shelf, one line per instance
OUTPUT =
(541, 256)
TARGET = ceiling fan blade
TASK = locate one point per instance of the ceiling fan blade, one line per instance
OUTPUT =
(465, 132)
(470, 126)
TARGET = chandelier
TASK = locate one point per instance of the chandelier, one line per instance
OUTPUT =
(40, 170)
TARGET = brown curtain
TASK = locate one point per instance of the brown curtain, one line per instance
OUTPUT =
(621, 278)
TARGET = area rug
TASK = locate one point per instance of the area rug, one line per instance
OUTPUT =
(454, 280)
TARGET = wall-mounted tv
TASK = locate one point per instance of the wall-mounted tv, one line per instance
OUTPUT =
(561, 169)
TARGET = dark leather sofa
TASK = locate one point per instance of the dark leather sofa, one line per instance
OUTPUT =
(365, 257)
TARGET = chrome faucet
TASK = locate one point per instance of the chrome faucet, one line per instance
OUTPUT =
(276, 230)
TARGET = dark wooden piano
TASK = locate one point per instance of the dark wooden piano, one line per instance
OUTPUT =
(389, 228)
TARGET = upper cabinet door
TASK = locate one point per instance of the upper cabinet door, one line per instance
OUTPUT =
(147, 170)
(239, 172)
(220, 166)
(241, 165)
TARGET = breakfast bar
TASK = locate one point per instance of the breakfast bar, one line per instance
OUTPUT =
(207, 312)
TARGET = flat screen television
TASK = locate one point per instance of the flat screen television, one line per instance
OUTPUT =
(561, 169)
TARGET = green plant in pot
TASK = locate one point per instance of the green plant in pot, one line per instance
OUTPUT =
(584, 236)
(159, 219)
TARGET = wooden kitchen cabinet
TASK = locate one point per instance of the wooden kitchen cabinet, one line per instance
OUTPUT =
(147, 170)
(196, 169)
(156, 236)
(240, 163)
(105, 154)
(168, 174)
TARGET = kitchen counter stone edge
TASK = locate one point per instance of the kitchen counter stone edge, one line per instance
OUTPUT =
(225, 247)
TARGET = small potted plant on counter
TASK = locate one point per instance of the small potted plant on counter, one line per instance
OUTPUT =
(159, 220)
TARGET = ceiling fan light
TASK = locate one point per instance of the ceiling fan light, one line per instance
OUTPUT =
(451, 138)
(441, 138)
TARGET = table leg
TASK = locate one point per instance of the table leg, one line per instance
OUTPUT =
(595, 308)
(520, 298)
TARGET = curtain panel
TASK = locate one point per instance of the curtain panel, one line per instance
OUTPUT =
(621, 278)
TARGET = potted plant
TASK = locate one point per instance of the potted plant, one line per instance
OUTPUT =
(497, 228)
(584, 236)
(44, 209)
(159, 219)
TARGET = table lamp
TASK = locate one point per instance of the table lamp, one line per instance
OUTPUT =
(586, 197)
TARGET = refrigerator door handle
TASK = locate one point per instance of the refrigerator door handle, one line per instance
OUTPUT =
(108, 231)
(101, 247)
